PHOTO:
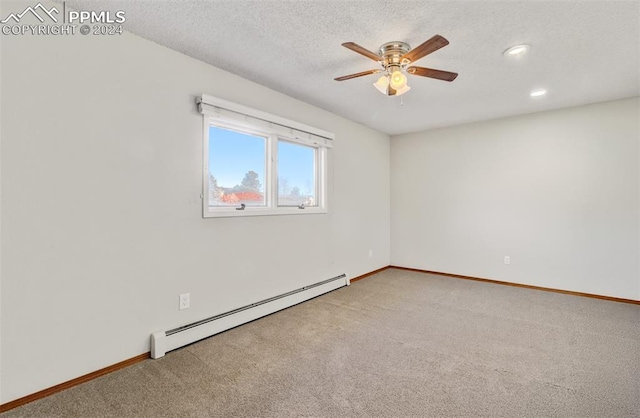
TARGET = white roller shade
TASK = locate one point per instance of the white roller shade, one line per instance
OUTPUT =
(221, 109)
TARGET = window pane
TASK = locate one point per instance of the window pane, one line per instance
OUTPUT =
(236, 168)
(296, 175)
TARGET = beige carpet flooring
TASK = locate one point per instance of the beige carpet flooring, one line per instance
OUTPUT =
(397, 344)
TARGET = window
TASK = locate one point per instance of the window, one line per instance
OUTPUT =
(237, 167)
(260, 164)
(296, 174)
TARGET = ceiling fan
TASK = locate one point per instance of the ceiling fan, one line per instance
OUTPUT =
(394, 58)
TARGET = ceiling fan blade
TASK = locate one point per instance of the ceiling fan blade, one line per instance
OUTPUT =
(435, 43)
(350, 76)
(431, 73)
(363, 51)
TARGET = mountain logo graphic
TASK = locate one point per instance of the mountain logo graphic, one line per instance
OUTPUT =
(34, 11)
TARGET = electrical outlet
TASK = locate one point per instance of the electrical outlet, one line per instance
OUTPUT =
(185, 301)
(370, 253)
(507, 259)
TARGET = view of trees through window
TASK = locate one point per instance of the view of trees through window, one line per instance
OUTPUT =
(238, 166)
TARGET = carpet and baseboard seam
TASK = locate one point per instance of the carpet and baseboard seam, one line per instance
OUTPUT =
(371, 273)
(73, 382)
(525, 286)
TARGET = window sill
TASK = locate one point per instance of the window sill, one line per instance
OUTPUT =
(233, 213)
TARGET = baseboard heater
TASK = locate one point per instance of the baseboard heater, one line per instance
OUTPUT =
(165, 341)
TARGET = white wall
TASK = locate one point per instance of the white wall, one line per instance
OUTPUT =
(101, 211)
(556, 191)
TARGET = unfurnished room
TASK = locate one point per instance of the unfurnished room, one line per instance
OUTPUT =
(319, 208)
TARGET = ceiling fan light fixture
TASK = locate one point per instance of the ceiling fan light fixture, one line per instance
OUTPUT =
(398, 80)
(516, 50)
(382, 84)
(394, 57)
(403, 90)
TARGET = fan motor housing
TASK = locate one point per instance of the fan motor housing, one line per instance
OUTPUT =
(393, 51)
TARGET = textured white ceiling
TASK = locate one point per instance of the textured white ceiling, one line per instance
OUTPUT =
(581, 52)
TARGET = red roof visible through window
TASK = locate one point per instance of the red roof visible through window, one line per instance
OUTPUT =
(243, 196)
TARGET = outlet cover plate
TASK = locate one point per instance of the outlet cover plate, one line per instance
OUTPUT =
(185, 301)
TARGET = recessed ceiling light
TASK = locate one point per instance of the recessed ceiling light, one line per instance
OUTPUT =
(538, 93)
(516, 50)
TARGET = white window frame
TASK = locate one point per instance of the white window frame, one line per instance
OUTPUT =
(227, 115)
